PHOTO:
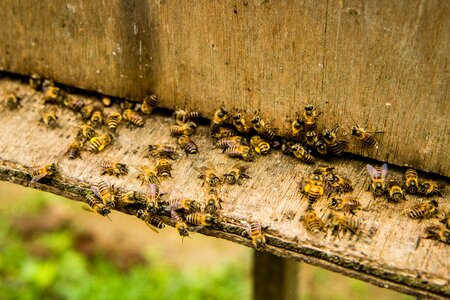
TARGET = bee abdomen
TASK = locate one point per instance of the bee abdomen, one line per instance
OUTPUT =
(113, 121)
(133, 117)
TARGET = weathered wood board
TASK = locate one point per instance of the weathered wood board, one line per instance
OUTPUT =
(387, 253)
(385, 62)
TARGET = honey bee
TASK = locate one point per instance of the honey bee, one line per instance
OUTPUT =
(330, 138)
(162, 151)
(310, 117)
(73, 103)
(183, 204)
(106, 101)
(239, 122)
(183, 117)
(340, 222)
(378, 184)
(209, 176)
(339, 183)
(87, 111)
(366, 137)
(297, 128)
(148, 104)
(180, 225)
(49, 118)
(299, 152)
(37, 173)
(163, 167)
(85, 133)
(254, 229)
(310, 138)
(131, 197)
(262, 129)
(244, 152)
(232, 141)
(113, 120)
(11, 101)
(133, 117)
(223, 132)
(185, 129)
(212, 200)
(152, 221)
(152, 197)
(74, 149)
(394, 192)
(349, 204)
(104, 192)
(429, 188)
(286, 147)
(312, 222)
(438, 232)
(97, 118)
(35, 81)
(147, 174)
(313, 189)
(187, 144)
(320, 146)
(219, 118)
(98, 143)
(96, 204)
(324, 170)
(411, 181)
(113, 168)
(54, 95)
(236, 174)
(424, 210)
(260, 145)
(201, 219)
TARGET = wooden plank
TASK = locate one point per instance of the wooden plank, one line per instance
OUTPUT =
(274, 277)
(386, 254)
(383, 62)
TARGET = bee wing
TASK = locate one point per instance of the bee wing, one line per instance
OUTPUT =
(153, 228)
(38, 177)
(96, 191)
(384, 170)
(373, 173)
(247, 227)
(87, 208)
(196, 228)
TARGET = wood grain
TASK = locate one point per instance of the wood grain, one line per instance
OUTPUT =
(383, 62)
(387, 253)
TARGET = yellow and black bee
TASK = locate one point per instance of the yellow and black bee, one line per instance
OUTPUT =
(240, 124)
(147, 174)
(232, 141)
(394, 192)
(98, 143)
(313, 188)
(152, 197)
(219, 118)
(187, 144)
(223, 132)
(411, 181)
(340, 222)
(366, 137)
(180, 225)
(163, 167)
(310, 117)
(152, 221)
(183, 204)
(130, 198)
(254, 229)
(162, 151)
(183, 117)
(330, 138)
(54, 95)
(184, 129)
(312, 222)
(439, 233)
(339, 184)
(113, 120)
(236, 174)
(49, 118)
(378, 184)
(320, 146)
(310, 138)
(133, 117)
(244, 152)
(74, 149)
(262, 129)
(73, 103)
(201, 219)
(97, 118)
(105, 192)
(85, 133)
(209, 176)
(212, 200)
(96, 204)
(424, 210)
(297, 129)
(299, 152)
(349, 204)
(109, 167)
(35, 81)
(37, 173)
(87, 111)
(148, 104)
(11, 101)
(429, 188)
(260, 145)
(324, 170)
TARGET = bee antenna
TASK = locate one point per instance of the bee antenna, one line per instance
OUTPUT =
(109, 218)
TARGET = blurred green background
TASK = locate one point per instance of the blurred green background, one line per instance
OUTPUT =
(52, 249)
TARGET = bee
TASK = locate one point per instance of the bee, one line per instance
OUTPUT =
(310, 117)
(324, 170)
(394, 192)
(96, 204)
(37, 173)
(349, 204)
(236, 174)
(424, 210)
(429, 188)
(232, 141)
(340, 222)
(54, 95)
(106, 101)
(97, 118)
(299, 152)
(223, 132)
(209, 176)
(147, 174)
(85, 133)
(201, 219)
(163, 167)
(183, 117)
(74, 149)
(254, 229)
(339, 183)
(185, 129)
(162, 151)
(262, 129)
(11, 101)
(239, 122)
(260, 145)
(411, 181)
(105, 193)
(219, 118)
(73, 103)
(113, 168)
(131, 197)
(187, 144)
(183, 204)
(244, 152)
(313, 189)
(297, 128)
(180, 225)
(366, 137)
(35, 81)
(133, 117)
(312, 222)
(98, 143)
(49, 118)
(152, 221)
(320, 146)
(87, 111)
(148, 104)
(330, 138)
(378, 184)
(438, 232)
(113, 120)
(152, 197)
(310, 138)
(212, 200)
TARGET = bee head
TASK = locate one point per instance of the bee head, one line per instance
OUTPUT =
(435, 203)
(140, 213)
